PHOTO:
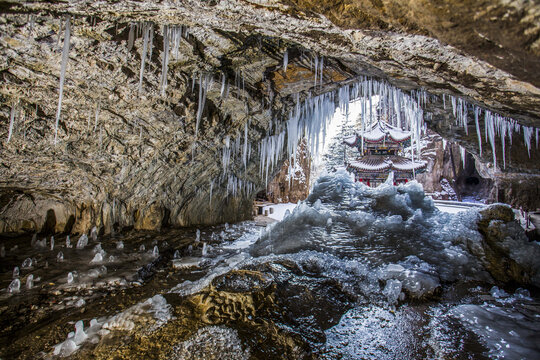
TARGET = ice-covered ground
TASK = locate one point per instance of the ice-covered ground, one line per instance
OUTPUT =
(359, 272)
(393, 244)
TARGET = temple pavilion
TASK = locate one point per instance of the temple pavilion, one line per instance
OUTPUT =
(380, 150)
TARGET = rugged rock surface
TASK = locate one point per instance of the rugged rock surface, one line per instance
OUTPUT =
(509, 256)
(292, 185)
(134, 157)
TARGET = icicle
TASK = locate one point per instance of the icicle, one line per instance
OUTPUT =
(463, 155)
(476, 115)
(285, 61)
(65, 54)
(96, 117)
(11, 121)
(150, 45)
(146, 31)
(244, 155)
(503, 130)
(321, 68)
(490, 130)
(131, 37)
(165, 59)
(222, 85)
(527, 136)
(211, 188)
(203, 88)
(316, 67)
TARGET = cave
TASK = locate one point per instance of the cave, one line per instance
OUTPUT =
(470, 185)
(175, 181)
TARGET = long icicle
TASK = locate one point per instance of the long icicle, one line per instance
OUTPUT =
(11, 121)
(65, 55)
(146, 31)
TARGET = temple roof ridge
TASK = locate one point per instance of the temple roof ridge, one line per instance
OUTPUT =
(378, 132)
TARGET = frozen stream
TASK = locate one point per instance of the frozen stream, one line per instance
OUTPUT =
(352, 273)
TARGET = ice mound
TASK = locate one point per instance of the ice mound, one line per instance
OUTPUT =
(187, 262)
(151, 314)
(393, 225)
(76, 339)
(212, 342)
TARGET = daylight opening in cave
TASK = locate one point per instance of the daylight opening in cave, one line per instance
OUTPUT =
(269, 180)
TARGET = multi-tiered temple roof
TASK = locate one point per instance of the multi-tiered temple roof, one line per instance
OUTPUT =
(379, 148)
(380, 133)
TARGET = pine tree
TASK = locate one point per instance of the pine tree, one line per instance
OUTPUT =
(338, 152)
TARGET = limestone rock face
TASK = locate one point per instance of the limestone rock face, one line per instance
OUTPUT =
(292, 182)
(508, 253)
(145, 147)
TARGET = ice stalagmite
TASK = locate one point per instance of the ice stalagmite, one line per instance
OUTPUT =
(14, 286)
(65, 54)
(30, 281)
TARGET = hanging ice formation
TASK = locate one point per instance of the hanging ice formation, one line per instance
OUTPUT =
(131, 36)
(222, 91)
(65, 54)
(172, 35)
(463, 153)
(165, 60)
(309, 119)
(148, 31)
(527, 136)
(205, 82)
(285, 61)
(11, 121)
(494, 125)
(478, 133)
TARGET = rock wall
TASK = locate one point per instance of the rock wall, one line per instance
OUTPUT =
(292, 185)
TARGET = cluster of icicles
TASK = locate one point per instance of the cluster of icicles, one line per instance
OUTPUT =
(309, 118)
(494, 124)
